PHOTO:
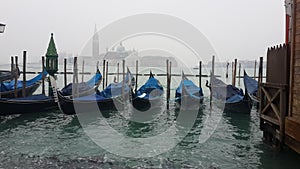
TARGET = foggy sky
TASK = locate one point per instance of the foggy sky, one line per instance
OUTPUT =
(236, 28)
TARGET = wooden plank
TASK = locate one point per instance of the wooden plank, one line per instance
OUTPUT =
(297, 60)
(296, 98)
(296, 70)
(296, 117)
(297, 37)
(293, 144)
(296, 90)
(297, 54)
(270, 119)
(292, 128)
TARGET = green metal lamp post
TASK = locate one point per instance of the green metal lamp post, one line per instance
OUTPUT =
(51, 61)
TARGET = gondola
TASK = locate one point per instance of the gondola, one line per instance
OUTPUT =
(251, 86)
(188, 95)
(149, 95)
(111, 98)
(30, 104)
(8, 88)
(233, 98)
(84, 88)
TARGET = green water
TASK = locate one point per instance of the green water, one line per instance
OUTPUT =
(53, 140)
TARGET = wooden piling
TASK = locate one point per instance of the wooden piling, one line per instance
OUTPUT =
(106, 74)
(254, 74)
(16, 77)
(118, 72)
(227, 65)
(65, 71)
(234, 73)
(212, 74)
(12, 67)
(260, 72)
(136, 74)
(82, 70)
(260, 75)
(123, 82)
(168, 83)
(200, 73)
(75, 78)
(103, 78)
(239, 82)
(170, 78)
(43, 75)
(24, 75)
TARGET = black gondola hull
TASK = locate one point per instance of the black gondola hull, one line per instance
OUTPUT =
(23, 107)
(71, 107)
(189, 103)
(143, 104)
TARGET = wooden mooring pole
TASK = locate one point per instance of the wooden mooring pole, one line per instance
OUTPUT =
(106, 74)
(82, 71)
(12, 67)
(234, 73)
(260, 75)
(212, 74)
(239, 82)
(168, 83)
(254, 74)
(16, 77)
(123, 82)
(24, 75)
(103, 78)
(43, 75)
(200, 73)
(136, 74)
(75, 77)
(227, 65)
(65, 71)
(118, 72)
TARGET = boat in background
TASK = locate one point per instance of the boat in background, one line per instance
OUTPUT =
(8, 88)
(188, 95)
(251, 87)
(233, 98)
(150, 95)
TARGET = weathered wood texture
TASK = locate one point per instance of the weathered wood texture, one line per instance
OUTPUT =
(294, 108)
(292, 128)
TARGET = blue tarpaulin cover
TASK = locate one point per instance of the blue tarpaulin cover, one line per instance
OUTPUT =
(190, 88)
(152, 88)
(222, 91)
(83, 86)
(8, 86)
(250, 84)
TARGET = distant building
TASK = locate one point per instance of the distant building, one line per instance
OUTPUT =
(96, 46)
(116, 56)
(156, 61)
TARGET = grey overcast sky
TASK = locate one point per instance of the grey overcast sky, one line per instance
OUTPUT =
(240, 29)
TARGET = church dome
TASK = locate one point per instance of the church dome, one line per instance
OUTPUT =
(120, 48)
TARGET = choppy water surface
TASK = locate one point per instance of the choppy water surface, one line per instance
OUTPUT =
(51, 140)
(54, 140)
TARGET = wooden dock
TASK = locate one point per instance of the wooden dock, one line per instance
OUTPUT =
(279, 96)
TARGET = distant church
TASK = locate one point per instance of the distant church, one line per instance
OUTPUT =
(96, 45)
(116, 56)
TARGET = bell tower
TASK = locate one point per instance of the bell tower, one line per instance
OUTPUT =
(95, 43)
